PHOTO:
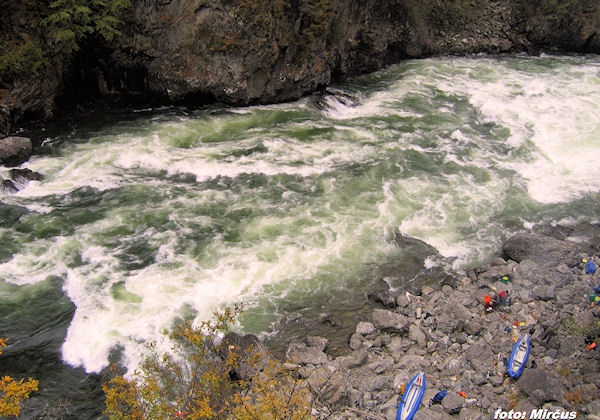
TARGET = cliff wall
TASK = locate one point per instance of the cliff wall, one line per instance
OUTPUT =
(243, 52)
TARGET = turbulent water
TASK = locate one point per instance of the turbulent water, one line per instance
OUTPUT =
(171, 214)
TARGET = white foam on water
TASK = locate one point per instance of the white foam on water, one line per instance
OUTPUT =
(342, 210)
(553, 109)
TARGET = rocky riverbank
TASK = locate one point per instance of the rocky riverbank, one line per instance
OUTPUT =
(445, 331)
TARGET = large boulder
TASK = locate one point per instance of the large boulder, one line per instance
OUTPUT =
(389, 321)
(541, 386)
(301, 354)
(541, 249)
(15, 150)
(21, 177)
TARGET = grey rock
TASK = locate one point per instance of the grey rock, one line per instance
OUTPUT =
(470, 414)
(498, 261)
(317, 342)
(544, 292)
(380, 364)
(453, 403)
(543, 250)
(355, 359)
(14, 150)
(473, 327)
(496, 380)
(389, 321)
(593, 407)
(248, 346)
(496, 272)
(541, 386)
(428, 413)
(412, 361)
(402, 301)
(328, 384)
(355, 341)
(415, 333)
(365, 328)
(299, 353)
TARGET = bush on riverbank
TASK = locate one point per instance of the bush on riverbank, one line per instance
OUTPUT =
(13, 391)
(199, 378)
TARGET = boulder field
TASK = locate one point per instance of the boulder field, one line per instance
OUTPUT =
(445, 331)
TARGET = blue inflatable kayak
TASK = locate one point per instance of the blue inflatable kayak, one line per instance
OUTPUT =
(411, 399)
(518, 356)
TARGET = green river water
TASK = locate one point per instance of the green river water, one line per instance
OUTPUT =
(169, 214)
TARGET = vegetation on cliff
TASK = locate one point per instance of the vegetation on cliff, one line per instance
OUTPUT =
(54, 28)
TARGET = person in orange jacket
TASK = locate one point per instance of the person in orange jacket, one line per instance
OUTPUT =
(488, 303)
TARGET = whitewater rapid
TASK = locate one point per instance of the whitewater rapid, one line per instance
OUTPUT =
(170, 215)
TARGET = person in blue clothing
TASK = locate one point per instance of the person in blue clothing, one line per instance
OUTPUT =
(590, 267)
(437, 399)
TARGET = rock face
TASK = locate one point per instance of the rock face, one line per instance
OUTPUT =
(256, 51)
(14, 150)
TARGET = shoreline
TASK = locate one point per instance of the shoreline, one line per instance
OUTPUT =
(444, 331)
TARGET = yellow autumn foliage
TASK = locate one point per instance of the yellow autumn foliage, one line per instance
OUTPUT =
(197, 379)
(14, 391)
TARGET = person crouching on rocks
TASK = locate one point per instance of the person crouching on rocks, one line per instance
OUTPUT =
(489, 302)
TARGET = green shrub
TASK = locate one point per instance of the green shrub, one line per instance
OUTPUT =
(71, 20)
(24, 60)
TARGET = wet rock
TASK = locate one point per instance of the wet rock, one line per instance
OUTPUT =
(382, 295)
(14, 150)
(9, 214)
(389, 321)
(333, 99)
(22, 176)
(8, 187)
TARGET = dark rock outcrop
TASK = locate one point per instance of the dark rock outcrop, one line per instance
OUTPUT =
(541, 249)
(21, 177)
(8, 187)
(242, 52)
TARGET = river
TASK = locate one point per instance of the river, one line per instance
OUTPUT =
(162, 215)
